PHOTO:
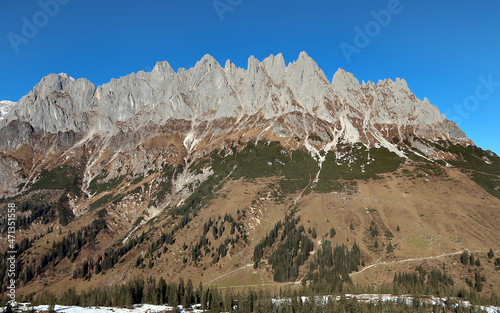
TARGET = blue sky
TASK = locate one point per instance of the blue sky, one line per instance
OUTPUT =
(448, 51)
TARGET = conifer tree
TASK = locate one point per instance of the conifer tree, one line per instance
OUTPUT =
(199, 293)
(162, 290)
(464, 258)
(188, 294)
(490, 254)
(332, 232)
(180, 291)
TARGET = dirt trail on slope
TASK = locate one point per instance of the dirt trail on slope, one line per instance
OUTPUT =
(227, 274)
(355, 273)
(411, 260)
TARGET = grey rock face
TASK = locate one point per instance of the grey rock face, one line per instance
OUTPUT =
(208, 92)
(9, 177)
(288, 100)
(15, 134)
(57, 103)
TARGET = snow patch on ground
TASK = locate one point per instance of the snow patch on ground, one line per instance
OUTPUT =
(367, 298)
(403, 299)
(138, 308)
(190, 141)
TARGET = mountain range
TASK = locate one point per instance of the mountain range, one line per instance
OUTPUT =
(198, 167)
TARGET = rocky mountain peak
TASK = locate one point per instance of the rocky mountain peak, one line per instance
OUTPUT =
(275, 67)
(253, 64)
(344, 81)
(207, 63)
(163, 68)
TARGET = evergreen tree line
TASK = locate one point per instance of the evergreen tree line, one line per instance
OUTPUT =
(469, 259)
(136, 291)
(152, 291)
(423, 282)
(353, 305)
(168, 238)
(218, 229)
(329, 269)
(197, 250)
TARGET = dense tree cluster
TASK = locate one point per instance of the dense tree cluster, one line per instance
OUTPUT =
(267, 241)
(110, 257)
(25, 274)
(69, 247)
(330, 268)
(29, 212)
(135, 291)
(423, 282)
(291, 253)
(218, 227)
(477, 284)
